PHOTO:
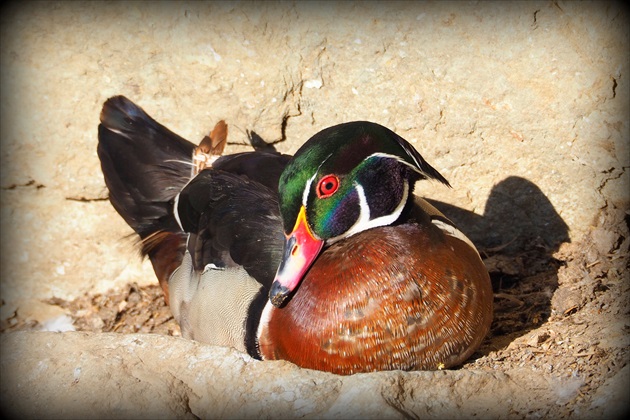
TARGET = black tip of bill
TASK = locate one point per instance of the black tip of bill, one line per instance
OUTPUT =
(278, 294)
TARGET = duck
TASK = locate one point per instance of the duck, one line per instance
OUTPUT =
(327, 259)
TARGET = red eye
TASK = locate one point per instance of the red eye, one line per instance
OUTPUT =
(327, 186)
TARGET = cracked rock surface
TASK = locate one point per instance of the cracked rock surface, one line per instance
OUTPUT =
(523, 107)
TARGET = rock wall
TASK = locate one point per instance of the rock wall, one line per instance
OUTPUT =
(522, 106)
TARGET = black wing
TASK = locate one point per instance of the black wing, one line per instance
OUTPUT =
(232, 219)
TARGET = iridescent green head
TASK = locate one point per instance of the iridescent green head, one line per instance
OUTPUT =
(343, 180)
(350, 177)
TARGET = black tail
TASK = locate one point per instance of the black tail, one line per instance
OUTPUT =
(145, 166)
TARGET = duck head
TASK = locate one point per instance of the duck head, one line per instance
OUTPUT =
(344, 180)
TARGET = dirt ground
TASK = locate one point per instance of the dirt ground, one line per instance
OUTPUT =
(522, 106)
(554, 311)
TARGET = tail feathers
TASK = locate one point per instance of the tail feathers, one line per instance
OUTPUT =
(145, 166)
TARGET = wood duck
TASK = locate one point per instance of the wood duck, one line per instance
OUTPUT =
(325, 259)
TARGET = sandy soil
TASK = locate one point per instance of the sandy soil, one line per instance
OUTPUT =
(555, 313)
(524, 108)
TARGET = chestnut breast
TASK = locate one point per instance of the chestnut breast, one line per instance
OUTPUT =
(406, 297)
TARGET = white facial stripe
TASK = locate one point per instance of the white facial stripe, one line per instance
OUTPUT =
(364, 216)
(364, 222)
(451, 230)
(307, 189)
(415, 167)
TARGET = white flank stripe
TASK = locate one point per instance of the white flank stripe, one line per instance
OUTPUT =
(176, 213)
(454, 232)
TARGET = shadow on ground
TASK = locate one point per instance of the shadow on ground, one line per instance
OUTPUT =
(517, 237)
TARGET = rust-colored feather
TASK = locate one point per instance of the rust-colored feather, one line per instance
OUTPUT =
(404, 300)
(210, 147)
(165, 250)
